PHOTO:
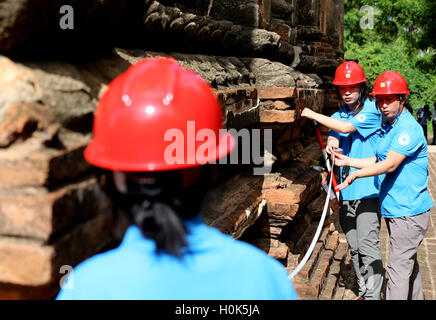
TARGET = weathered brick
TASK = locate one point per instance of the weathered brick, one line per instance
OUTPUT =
(283, 203)
(237, 99)
(25, 262)
(278, 116)
(341, 251)
(272, 247)
(306, 271)
(29, 164)
(304, 240)
(22, 119)
(39, 213)
(286, 202)
(275, 93)
(265, 229)
(331, 281)
(281, 105)
(324, 235)
(316, 206)
(235, 223)
(235, 204)
(273, 181)
(333, 241)
(310, 153)
(9, 291)
(322, 269)
(306, 291)
(34, 263)
(312, 98)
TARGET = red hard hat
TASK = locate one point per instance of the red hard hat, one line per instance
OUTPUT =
(390, 82)
(157, 116)
(349, 72)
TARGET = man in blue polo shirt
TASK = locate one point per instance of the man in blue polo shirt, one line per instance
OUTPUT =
(405, 202)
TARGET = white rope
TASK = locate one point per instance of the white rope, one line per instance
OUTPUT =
(318, 230)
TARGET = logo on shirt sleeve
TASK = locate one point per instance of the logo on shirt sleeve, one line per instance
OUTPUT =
(361, 118)
(404, 139)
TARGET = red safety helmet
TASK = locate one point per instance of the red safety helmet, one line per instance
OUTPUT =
(157, 116)
(390, 82)
(349, 72)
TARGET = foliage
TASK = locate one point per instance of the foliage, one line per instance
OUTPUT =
(401, 39)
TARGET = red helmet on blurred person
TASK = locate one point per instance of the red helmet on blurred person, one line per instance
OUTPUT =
(152, 110)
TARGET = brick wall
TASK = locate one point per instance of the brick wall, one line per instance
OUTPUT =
(266, 61)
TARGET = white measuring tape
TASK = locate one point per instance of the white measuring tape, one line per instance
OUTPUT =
(318, 230)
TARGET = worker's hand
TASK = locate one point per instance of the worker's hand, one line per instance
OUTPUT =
(332, 143)
(341, 160)
(348, 181)
(307, 113)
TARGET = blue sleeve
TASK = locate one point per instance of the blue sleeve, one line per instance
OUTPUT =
(405, 142)
(367, 121)
(336, 134)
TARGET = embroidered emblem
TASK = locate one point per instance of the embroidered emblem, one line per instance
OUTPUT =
(404, 139)
(361, 118)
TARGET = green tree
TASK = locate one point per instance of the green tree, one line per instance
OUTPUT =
(401, 39)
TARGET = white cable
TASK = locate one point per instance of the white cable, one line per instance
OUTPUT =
(318, 230)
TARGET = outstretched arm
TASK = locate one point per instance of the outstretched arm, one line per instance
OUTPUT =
(359, 163)
(331, 123)
(390, 164)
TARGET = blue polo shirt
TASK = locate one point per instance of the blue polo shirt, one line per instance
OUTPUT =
(404, 191)
(216, 267)
(359, 144)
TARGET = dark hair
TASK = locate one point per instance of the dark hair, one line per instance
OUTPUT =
(159, 207)
(364, 94)
(403, 97)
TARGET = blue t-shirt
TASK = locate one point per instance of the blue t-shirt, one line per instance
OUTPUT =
(404, 191)
(217, 267)
(359, 144)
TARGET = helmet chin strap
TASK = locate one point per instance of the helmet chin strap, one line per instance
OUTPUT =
(387, 120)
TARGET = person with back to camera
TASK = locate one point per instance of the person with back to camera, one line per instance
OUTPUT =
(354, 128)
(401, 162)
(168, 252)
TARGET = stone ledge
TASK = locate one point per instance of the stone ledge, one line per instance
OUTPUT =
(33, 263)
(276, 92)
(32, 164)
(277, 116)
(235, 205)
(38, 213)
(310, 282)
